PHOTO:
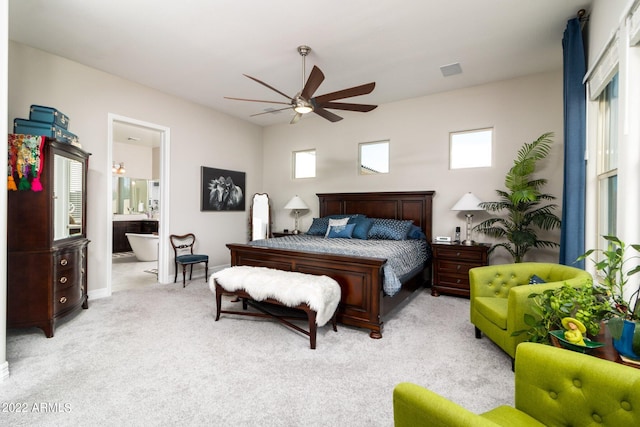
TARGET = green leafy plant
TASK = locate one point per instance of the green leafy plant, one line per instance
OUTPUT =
(613, 274)
(523, 202)
(587, 303)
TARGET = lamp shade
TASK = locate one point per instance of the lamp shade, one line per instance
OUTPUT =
(468, 202)
(296, 203)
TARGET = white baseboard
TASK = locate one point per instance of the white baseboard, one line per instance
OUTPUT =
(4, 371)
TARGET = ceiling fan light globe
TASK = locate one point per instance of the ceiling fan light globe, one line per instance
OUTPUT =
(303, 109)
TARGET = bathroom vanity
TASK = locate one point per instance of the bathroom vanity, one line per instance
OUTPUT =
(123, 226)
(47, 243)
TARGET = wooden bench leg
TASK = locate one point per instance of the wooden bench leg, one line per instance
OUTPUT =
(219, 291)
(313, 328)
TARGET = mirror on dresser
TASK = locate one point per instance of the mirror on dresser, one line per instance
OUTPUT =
(68, 199)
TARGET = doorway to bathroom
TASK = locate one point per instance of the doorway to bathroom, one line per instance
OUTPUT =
(138, 218)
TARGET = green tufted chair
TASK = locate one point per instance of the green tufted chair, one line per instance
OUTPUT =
(553, 387)
(500, 297)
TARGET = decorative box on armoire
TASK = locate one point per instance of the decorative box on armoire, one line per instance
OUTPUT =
(46, 232)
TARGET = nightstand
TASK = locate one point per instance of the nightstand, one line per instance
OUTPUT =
(284, 233)
(451, 264)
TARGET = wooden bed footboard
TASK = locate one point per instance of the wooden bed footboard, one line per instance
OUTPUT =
(360, 279)
(362, 303)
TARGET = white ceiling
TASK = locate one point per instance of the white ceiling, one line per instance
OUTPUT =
(199, 49)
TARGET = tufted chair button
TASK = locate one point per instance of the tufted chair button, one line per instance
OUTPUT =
(497, 293)
(553, 395)
(625, 405)
(577, 383)
(597, 418)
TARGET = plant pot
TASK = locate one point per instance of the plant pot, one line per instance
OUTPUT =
(627, 341)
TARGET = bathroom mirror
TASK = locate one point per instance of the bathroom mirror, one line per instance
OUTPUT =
(135, 196)
(260, 217)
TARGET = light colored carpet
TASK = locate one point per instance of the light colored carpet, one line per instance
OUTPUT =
(155, 356)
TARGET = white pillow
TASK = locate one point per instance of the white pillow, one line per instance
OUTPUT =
(341, 221)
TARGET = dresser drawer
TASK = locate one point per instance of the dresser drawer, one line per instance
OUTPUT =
(67, 298)
(453, 253)
(452, 281)
(446, 266)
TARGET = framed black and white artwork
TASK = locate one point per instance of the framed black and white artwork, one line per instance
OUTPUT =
(222, 190)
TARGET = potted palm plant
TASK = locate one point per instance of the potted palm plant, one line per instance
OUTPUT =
(613, 275)
(523, 201)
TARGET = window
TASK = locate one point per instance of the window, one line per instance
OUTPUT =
(470, 149)
(608, 158)
(304, 164)
(374, 157)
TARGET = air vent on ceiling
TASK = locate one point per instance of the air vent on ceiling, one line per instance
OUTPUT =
(451, 69)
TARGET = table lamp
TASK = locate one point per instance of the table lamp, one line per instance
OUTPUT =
(296, 204)
(468, 203)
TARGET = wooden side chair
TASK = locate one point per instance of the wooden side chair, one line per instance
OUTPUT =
(183, 250)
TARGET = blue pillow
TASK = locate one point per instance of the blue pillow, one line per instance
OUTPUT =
(362, 227)
(342, 231)
(389, 229)
(535, 280)
(319, 225)
(416, 233)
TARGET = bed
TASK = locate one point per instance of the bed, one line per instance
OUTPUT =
(363, 302)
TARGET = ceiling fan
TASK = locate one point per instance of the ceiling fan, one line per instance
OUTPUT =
(304, 102)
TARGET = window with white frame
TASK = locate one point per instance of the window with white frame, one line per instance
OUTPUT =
(470, 149)
(374, 157)
(608, 158)
(304, 164)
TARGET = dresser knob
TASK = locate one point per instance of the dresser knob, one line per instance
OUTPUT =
(457, 253)
(63, 279)
(458, 267)
(458, 281)
(63, 300)
(64, 261)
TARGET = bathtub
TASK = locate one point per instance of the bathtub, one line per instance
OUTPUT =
(145, 246)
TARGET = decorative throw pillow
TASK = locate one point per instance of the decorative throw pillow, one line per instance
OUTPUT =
(362, 227)
(416, 233)
(334, 222)
(535, 280)
(318, 227)
(342, 231)
(389, 229)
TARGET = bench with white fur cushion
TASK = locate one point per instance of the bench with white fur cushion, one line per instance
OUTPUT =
(318, 296)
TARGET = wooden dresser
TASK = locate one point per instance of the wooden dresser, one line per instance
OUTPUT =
(451, 264)
(47, 243)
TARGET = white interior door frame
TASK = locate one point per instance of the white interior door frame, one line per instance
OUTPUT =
(163, 226)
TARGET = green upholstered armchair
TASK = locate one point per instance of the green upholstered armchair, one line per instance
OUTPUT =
(500, 297)
(553, 387)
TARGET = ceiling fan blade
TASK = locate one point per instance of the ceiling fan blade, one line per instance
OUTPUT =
(266, 85)
(315, 80)
(295, 118)
(258, 100)
(347, 106)
(327, 114)
(346, 93)
(270, 111)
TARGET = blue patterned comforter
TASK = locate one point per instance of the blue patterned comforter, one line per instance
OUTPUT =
(404, 257)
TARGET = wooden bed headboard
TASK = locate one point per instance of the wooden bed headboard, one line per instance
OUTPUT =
(414, 205)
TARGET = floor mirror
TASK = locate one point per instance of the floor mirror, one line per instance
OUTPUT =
(260, 217)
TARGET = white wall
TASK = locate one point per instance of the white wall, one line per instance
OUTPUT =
(520, 110)
(199, 137)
